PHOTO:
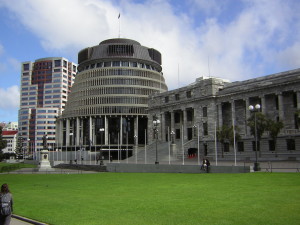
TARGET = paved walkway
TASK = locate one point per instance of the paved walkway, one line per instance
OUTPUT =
(17, 222)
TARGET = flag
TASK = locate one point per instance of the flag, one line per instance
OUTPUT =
(119, 16)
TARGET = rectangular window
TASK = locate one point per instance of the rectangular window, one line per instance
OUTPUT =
(125, 64)
(190, 133)
(107, 64)
(240, 146)
(177, 117)
(205, 129)
(177, 97)
(226, 147)
(177, 133)
(254, 146)
(271, 145)
(25, 67)
(290, 144)
(166, 99)
(188, 94)
(204, 111)
(57, 63)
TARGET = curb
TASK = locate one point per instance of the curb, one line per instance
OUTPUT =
(27, 220)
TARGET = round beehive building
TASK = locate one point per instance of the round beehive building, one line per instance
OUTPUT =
(108, 102)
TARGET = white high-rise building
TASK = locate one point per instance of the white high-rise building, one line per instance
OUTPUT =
(45, 85)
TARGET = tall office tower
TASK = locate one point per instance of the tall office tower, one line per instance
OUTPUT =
(109, 99)
(45, 85)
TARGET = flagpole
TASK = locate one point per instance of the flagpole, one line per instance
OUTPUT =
(169, 144)
(233, 127)
(119, 25)
(182, 147)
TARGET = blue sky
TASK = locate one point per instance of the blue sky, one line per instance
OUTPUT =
(238, 39)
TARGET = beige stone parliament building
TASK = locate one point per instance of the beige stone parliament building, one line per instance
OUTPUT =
(193, 113)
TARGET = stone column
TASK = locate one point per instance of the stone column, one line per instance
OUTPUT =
(136, 128)
(121, 130)
(90, 130)
(68, 132)
(263, 104)
(60, 134)
(184, 125)
(105, 131)
(233, 112)
(298, 99)
(150, 135)
(247, 128)
(172, 121)
(220, 119)
(163, 126)
(77, 131)
(280, 107)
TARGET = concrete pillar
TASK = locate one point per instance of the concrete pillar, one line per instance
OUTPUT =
(263, 104)
(280, 107)
(77, 131)
(248, 114)
(121, 131)
(220, 117)
(298, 99)
(163, 126)
(90, 130)
(68, 132)
(184, 125)
(172, 121)
(233, 112)
(60, 134)
(106, 130)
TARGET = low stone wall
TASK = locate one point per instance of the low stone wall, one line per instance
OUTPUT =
(96, 168)
(161, 168)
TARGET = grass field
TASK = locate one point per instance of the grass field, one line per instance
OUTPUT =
(128, 198)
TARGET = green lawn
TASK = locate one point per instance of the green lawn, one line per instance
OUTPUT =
(128, 198)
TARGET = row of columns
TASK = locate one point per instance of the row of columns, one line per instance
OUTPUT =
(77, 140)
(218, 115)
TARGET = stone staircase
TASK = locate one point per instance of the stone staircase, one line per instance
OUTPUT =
(163, 152)
(162, 149)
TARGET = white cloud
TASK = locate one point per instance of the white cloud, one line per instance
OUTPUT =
(260, 33)
(9, 98)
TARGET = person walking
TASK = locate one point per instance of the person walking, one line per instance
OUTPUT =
(6, 205)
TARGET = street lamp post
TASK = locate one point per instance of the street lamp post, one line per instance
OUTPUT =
(136, 147)
(156, 122)
(71, 138)
(172, 137)
(101, 130)
(255, 109)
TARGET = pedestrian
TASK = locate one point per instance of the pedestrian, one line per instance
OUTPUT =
(6, 205)
(205, 165)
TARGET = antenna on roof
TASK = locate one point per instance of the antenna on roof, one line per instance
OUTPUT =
(119, 24)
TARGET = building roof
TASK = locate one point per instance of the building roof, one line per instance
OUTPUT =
(9, 132)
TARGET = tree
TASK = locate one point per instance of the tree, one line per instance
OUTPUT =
(261, 124)
(3, 143)
(226, 135)
(274, 128)
(19, 147)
